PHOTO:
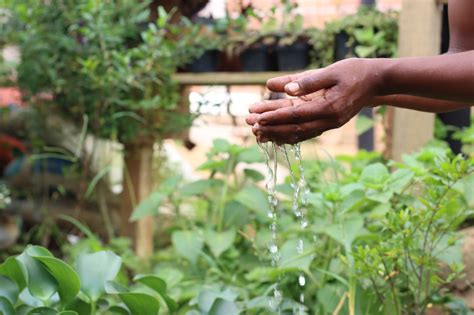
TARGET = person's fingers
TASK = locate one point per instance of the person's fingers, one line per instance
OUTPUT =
(266, 106)
(293, 133)
(278, 84)
(307, 111)
(251, 119)
(316, 81)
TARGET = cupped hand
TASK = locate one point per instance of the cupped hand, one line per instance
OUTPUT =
(324, 99)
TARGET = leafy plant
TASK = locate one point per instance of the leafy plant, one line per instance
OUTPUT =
(220, 236)
(104, 60)
(371, 33)
(36, 282)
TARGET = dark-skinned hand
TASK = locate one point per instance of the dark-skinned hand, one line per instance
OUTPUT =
(324, 99)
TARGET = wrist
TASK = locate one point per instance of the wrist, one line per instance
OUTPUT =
(379, 72)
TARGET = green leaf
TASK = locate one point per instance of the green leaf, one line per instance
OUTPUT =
(399, 180)
(363, 124)
(67, 279)
(79, 306)
(148, 207)
(221, 145)
(68, 313)
(374, 175)
(235, 214)
(207, 298)
(41, 284)
(140, 303)
(6, 307)
(347, 231)
(158, 285)
(365, 51)
(253, 174)
(253, 198)
(188, 244)
(199, 187)
(43, 311)
(330, 296)
(95, 270)
(250, 155)
(219, 242)
(291, 259)
(9, 289)
(115, 309)
(112, 287)
(223, 307)
(12, 269)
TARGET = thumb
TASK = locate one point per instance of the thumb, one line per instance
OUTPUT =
(316, 81)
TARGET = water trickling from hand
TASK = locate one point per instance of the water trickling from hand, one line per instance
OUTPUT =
(300, 199)
(270, 186)
(299, 203)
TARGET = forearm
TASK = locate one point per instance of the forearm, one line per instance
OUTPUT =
(448, 77)
(419, 103)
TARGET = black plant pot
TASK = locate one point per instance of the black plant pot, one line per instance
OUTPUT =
(293, 57)
(341, 49)
(255, 59)
(208, 62)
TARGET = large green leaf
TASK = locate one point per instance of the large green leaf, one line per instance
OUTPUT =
(253, 198)
(291, 258)
(9, 289)
(140, 303)
(207, 298)
(95, 270)
(67, 279)
(43, 311)
(235, 214)
(199, 187)
(374, 175)
(219, 242)
(188, 244)
(250, 155)
(399, 180)
(347, 230)
(79, 306)
(41, 284)
(149, 206)
(6, 307)
(12, 269)
(159, 286)
(224, 307)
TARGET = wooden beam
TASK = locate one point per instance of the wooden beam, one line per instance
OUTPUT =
(138, 184)
(227, 78)
(420, 35)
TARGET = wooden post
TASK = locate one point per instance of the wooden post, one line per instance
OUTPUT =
(138, 184)
(420, 35)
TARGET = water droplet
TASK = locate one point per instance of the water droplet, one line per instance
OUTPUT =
(302, 281)
(273, 248)
(300, 246)
(304, 223)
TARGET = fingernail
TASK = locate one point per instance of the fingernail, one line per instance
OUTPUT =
(262, 122)
(292, 87)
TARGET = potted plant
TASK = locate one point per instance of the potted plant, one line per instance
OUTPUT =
(208, 49)
(251, 45)
(367, 33)
(293, 47)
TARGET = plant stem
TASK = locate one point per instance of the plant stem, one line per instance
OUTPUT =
(223, 196)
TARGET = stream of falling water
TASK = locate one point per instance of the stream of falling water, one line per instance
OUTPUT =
(300, 196)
